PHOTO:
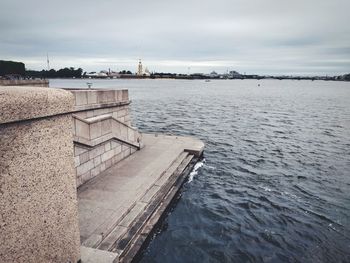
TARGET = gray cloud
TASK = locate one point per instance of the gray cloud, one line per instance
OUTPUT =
(265, 37)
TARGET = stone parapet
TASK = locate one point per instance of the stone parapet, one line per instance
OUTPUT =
(52, 141)
(95, 99)
(24, 82)
(24, 103)
(38, 196)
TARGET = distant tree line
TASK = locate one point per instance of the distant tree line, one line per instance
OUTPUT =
(125, 72)
(346, 77)
(61, 73)
(11, 68)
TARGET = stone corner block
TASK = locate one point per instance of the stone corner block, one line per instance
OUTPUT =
(24, 103)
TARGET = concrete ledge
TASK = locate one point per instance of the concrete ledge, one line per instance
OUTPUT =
(100, 106)
(24, 103)
(103, 139)
(25, 82)
(196, 146)
(98, 97)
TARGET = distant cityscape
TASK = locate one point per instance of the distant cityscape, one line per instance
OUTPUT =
(17, 70)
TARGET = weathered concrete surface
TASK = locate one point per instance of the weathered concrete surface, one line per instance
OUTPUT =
(23, 103)
(38, 203)
(114, 206)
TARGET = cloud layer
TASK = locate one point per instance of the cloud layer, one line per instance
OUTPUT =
(265, 37)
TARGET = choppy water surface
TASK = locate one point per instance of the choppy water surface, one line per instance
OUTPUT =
(275, 183)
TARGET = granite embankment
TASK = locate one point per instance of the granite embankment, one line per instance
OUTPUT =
(78, 182)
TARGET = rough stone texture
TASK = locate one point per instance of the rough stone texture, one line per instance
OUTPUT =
(38, 199)
(23, 103)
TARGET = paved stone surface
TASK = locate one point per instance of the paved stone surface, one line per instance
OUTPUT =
(121, 194)
(90, 255)
(141, 230)
(150, 193)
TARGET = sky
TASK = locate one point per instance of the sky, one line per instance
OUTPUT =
(271, 37)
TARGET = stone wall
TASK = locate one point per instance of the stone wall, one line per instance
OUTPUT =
(102, 131)
(38, 196)
(25, 82)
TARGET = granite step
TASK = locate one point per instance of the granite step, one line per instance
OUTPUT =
(141, 225)
(119, 209)
(116, 223)
(96, 130)
(161, 201)
(125, 223)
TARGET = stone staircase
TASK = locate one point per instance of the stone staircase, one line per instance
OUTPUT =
(143, 192)
(96, 130)
(126, 180)
(133, 227)
(102, 131)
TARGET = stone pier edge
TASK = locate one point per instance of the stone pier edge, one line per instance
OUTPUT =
(169, 202)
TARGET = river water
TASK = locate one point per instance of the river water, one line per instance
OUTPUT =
(275, 181)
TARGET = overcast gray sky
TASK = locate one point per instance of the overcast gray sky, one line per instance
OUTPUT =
(257, 36)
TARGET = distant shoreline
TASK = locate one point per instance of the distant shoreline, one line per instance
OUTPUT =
(243, 78)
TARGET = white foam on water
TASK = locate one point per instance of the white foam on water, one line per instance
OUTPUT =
(267, 189)
(195, 170)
